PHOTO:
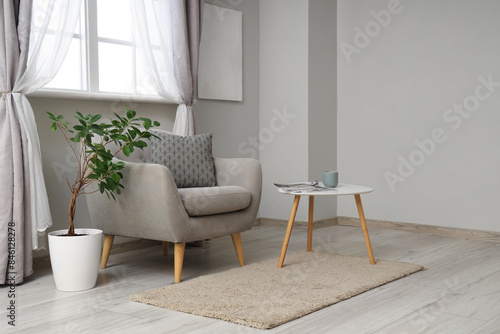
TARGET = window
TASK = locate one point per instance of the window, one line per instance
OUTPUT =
(102, 59)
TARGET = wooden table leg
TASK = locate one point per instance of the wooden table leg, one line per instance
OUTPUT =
(365, 229)
(310, 224)
(289, 230)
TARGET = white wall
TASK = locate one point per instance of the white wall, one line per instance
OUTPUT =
(297, 100)
(322, 112)
(400, 128)
(283, 101)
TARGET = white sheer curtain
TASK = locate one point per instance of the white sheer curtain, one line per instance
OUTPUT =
(53, 25)
(152, 33)
(161, 33)
(184, 121)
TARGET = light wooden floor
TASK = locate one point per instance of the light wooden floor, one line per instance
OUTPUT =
(458, 293)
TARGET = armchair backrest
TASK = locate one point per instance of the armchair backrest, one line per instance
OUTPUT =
(138, 155)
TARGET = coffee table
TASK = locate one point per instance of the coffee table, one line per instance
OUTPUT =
(340, 189)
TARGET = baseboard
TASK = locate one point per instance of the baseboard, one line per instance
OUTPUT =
(373, 223)
(420, 228)
(262, 221)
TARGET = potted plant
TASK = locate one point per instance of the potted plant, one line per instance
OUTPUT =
(74, 253)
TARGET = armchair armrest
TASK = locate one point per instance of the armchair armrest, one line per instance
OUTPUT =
(148, 207)
(243, 172)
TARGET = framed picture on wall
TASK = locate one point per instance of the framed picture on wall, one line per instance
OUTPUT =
(220, 73)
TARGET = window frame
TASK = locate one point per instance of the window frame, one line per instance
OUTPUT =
(91, 67)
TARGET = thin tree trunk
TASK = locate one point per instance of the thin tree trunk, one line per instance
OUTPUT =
(72, 209)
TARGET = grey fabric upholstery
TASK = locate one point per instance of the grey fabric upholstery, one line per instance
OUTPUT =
(151, 207)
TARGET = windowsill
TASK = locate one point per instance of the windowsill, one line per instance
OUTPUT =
(98, 97)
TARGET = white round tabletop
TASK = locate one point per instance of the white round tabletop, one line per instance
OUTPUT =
(340, 189)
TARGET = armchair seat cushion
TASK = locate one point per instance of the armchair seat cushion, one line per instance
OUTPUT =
(204, 201)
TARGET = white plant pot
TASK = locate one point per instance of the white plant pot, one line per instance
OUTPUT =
(75, 260)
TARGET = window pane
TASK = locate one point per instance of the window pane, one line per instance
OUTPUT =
(71, 74)
(114, 19)
(145, 83)
(116, 67)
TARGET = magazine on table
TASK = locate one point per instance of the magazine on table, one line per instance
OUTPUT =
(301, 187)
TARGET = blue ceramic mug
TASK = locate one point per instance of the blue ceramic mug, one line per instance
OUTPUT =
(330, 178)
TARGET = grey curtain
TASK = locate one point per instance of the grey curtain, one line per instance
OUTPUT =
(187, 16)
(15, 215)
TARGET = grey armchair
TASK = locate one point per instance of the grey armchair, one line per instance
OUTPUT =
(152, 207)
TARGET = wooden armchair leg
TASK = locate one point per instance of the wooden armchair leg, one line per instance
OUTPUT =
(178, 260)
(238, 247)
(106, 249)
(165, 248)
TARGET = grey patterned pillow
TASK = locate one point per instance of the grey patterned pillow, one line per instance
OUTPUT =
(189, 158)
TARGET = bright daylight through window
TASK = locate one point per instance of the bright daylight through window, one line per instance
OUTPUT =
(102, 58)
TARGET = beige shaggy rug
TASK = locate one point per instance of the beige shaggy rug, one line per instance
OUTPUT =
(261, 295)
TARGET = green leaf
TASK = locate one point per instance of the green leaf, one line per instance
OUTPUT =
(156, 123)
(53, 127)
(116, 177)
(140, 144)
(99, 164)
(99, 170)
(105, 154)
(126, 150)
(111, 184)
(76, 139)
(95, 118)
(146, 123)
(93, 176)
(122, 120)
(132, 133)
(102, 186)
(130, 113)
(96, 130)
(51, 116)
